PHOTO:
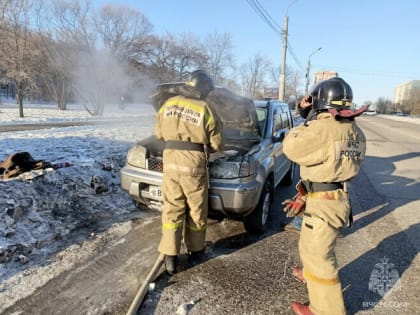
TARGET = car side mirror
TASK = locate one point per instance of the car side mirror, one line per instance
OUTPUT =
(279, 135)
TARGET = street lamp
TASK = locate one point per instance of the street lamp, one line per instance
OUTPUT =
(308, 67)
(282, 80)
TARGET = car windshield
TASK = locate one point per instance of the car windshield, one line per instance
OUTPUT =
(262, 118)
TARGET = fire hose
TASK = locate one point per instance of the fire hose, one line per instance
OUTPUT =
(138, 299)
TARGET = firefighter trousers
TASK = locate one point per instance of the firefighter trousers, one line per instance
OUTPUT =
(326, 213)
(185, 208)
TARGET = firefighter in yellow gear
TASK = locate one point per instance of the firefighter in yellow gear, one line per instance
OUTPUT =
(187, 125)
(329, 149)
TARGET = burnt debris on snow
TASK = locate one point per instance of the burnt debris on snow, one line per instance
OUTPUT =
(47, 211)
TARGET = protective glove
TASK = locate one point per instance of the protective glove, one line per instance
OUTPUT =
(296, 205)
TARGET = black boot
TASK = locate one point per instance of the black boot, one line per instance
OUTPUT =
(170, 264)
(194, 258)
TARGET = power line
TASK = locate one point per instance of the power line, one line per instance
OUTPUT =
(268, 15)
(267, 18)
(291, 51)
(262, 13)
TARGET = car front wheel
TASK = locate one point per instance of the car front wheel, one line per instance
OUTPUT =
(256, 222)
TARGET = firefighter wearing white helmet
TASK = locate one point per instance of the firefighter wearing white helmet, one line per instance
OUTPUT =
(329, 149)
(187, 125)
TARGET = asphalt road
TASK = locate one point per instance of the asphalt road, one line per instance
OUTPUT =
(380, 265)
(246, 274)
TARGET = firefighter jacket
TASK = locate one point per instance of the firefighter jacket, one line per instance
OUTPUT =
(327, 150)
(190, 120)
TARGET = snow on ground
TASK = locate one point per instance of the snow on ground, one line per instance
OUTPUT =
(45, 216)
(408, 119)
(45, 212)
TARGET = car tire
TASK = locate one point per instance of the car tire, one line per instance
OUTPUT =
(139, 205)
(288, 178)
(256, 222)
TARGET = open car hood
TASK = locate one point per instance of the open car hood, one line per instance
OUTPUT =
(238, 114)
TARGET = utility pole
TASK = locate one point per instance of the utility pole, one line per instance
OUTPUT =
(308, 68)
(282, 81)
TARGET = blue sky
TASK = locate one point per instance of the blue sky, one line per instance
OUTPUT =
(373, 44)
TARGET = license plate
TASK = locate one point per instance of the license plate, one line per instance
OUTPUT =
(155, 191)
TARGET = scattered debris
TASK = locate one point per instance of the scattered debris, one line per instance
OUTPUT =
(99, 184)
(61, 165)
(16, 250)
(152, 287)
(22, 259)
(19, 163)
(184, 308)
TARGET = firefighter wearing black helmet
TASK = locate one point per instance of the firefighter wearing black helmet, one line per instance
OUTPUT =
(329, 149)
(188, 127)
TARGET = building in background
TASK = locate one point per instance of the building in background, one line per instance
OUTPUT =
(404, 91)
(271, 93)
(324, 75)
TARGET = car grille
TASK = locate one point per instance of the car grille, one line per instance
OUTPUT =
(155, 164)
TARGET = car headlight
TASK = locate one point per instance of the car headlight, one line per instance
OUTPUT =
(229, 169)
(136, 156)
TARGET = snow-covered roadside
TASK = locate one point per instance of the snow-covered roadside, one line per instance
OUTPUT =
(408, 119)
(50, 222)
(44, 113)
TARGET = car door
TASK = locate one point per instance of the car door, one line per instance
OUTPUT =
(281, 126)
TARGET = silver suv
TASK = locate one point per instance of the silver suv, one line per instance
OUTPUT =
(243, 177)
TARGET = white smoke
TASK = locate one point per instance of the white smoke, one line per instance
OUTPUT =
(100, 79)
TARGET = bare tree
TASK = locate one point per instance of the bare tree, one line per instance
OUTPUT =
(293, 82)
(384, 106)
(218, 49)
(56, 73)
(190, 55)
(170, 58)
(73, 24)
(68, 35)
(155, 59)
(64, 52)
(19, 53)
(254, 75)
(121, 29)
(88, 70)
